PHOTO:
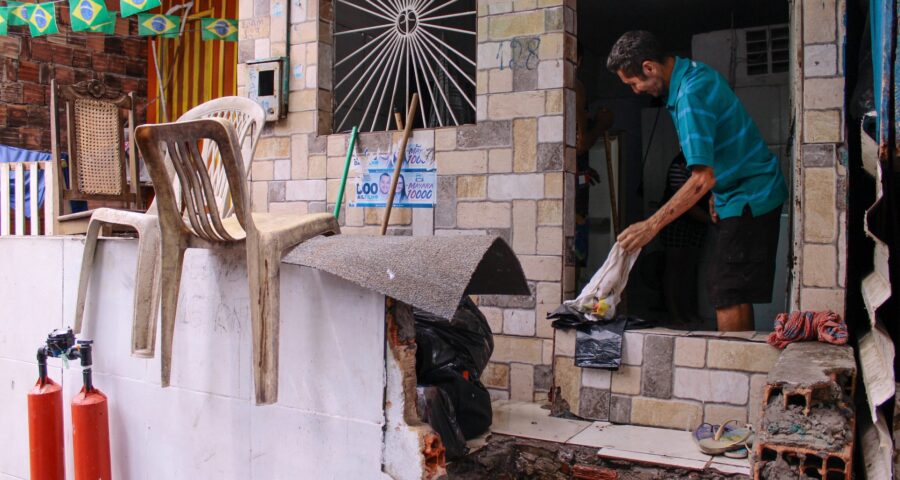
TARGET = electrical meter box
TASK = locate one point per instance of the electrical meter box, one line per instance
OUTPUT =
(268, 86)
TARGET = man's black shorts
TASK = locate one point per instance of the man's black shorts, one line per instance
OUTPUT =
(743, 268)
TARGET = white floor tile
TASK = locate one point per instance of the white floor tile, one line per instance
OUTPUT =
(529, 420)
(654, 441)
(651, 459)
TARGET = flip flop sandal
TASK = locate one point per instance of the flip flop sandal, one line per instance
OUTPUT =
(739, 453)
(725, 438)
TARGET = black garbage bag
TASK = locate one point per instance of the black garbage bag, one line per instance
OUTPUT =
(461, 344)
(458, 409)
(451, 354)
(597, 344)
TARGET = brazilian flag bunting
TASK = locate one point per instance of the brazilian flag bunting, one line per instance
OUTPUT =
(87, 13)
(4, 20)
(42, 19)
(130, 7)
(18, 12)
(219, 29)
(109, 27)
(156, 24)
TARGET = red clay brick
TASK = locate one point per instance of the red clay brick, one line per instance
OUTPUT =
(9, 47)
(81, 58)
(62, 54)
(114, 46)
(16, 115)
(29, 72)
(41, 51)
(83, 75)
(2, 115)
(33, 94)
(136, 67)
(9, 136)
(11, 93)
(96, 43)
(135, 48)
(64, 75)
(39, 116)
(35, 138)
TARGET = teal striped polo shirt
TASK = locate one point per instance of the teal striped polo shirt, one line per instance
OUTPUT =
(715, 130)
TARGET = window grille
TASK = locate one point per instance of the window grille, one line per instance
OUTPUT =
(386, 50)
(767, 50)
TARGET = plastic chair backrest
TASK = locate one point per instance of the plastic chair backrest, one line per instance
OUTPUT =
(179, 143)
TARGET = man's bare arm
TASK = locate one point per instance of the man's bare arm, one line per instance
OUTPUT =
(701, 181)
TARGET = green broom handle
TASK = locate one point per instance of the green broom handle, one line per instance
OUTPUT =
(340, 197)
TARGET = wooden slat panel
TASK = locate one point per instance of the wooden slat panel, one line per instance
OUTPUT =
(33, 200)
(4, 199)
(50, 200)
(20, 199)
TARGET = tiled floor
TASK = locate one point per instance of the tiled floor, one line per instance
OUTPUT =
(656, 446)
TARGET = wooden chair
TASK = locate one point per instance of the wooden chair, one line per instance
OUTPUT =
(264, 236)
(97, 159)
(247, 118)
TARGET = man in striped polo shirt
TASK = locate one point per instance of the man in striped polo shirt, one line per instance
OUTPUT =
(727, 155)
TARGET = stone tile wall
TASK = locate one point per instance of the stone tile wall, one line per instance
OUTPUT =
(671, 379)
(820, 176)
(503, 176)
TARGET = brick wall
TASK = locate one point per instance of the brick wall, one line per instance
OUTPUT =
(503, 176)
(28, 64)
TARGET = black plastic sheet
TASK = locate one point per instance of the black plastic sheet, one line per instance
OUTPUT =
(597, 344)
(451, 355)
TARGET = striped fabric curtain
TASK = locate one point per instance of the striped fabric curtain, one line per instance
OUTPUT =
(194, 71)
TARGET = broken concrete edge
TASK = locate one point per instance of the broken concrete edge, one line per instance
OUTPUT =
(405, 435)
(430, 273)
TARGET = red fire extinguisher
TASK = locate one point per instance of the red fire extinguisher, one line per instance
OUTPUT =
(45, 414)
(90, 417)
(90, 423)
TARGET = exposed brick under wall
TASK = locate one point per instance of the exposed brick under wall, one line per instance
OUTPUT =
(28, 64)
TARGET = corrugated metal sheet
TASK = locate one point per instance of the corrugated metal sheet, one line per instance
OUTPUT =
(876, 348)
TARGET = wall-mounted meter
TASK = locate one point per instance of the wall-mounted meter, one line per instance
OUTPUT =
(268, 86)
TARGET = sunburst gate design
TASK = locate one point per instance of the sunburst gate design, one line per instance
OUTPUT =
(386, 50)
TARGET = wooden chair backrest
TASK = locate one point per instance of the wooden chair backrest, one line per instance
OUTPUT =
(96, 142)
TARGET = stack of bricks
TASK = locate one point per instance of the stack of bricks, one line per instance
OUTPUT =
(504, 176)
(820, 178)
(27, 64)
(807, 424)
(670, 379)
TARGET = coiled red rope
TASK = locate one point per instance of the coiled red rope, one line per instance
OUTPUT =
(793, 327)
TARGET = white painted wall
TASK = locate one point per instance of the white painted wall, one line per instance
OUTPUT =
(328, 422)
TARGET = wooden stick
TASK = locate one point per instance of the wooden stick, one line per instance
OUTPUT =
(410, 115)
(614, 210)
(398, 119)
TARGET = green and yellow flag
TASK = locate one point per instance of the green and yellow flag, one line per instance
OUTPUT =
(18, 13)
(130, 7)
(87, 13)
(108, 27)
(156, 24)
(42, 19)
(4, 20)
(219, 29)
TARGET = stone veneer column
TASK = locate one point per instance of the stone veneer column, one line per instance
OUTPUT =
(820, 183)
(502, 176)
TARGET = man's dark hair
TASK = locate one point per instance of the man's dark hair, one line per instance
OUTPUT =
(385, 174)
(631, 50)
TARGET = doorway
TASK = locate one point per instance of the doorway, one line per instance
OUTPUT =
(749, 44)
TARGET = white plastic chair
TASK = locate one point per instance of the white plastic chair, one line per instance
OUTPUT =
(265, 236)
(248, 119)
